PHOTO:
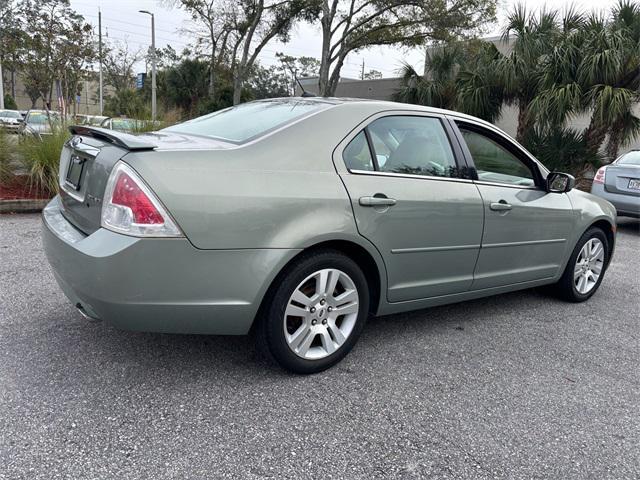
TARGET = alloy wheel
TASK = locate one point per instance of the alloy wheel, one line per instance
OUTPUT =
(321, 313)
(588, 266)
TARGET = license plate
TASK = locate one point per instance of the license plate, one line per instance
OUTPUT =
(634, 184)
(74, 172)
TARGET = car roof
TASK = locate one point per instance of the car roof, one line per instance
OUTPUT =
(381, 105)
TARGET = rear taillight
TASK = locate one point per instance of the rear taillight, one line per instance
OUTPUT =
(600, 175)
(131, 208)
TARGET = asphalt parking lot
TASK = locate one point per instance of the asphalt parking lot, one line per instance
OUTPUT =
(513, 386)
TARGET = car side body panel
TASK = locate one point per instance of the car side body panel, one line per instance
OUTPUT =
(246, 212)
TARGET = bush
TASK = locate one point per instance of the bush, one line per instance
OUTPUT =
(9, 102)
(563, 150)
(41, 158)
(7, 152)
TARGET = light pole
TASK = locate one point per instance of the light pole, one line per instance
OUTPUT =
(153, 64)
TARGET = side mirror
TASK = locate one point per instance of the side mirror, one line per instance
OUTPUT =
(20, 120)
(558, 182)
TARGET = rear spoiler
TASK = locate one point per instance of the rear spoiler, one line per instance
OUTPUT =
(121, 139)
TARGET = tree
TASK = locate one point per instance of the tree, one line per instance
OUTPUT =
(437, 87)
(351, 25)
(458, 76)
(594, 69)
(12, 40)
(187, 84)
(294, 68)
(255, 23)
(58, 45)
(214, 30)
(270, 82)
(520, 71)
(372, 75)
(117, 65)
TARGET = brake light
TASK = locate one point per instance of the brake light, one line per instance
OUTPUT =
(600, 175)
(131, 208)
(127, 193)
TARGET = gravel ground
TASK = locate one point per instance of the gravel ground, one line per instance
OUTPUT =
(514, 386)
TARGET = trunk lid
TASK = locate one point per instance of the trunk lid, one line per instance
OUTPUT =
(88, 158)
(85, 165)
(622, 178)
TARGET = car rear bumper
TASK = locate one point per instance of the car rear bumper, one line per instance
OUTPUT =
(626, 205)
(158, 284)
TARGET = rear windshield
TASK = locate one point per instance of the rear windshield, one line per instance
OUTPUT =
(631, 158)
(245, 122)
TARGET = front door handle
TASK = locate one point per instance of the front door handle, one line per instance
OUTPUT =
(378, 200)
(501, 206)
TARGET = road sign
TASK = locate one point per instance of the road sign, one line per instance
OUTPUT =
(140, 80)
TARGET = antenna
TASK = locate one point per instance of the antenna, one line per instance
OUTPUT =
(304, 92)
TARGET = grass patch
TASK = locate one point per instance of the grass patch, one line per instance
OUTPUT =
(41, 158)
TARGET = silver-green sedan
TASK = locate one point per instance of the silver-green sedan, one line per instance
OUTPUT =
(295, 219)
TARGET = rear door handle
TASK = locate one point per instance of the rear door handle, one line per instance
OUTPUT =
(378, 200)
(500, 206)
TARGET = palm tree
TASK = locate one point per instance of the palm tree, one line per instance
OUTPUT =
(594, 68)
(457, 77)
(481, 90)
(520, 71)
(626, 19)
(437, 88)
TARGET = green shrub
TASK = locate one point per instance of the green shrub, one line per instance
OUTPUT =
(9, 102)
(41, 158)
(563, 150)
(7, 152)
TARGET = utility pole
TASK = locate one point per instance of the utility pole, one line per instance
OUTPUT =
(153, 64)
(100, 56)
(362, 74)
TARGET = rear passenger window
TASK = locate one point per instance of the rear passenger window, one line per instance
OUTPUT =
(357, 155)
(411, 145)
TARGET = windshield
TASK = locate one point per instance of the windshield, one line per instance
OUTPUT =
(244, 122)
(9, 114)
(631, 158)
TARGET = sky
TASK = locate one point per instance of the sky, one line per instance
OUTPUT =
(121, 21)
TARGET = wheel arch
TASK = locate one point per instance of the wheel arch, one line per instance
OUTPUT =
(609, 230)
(367, 258)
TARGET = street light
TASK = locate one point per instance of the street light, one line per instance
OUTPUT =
(153, 64)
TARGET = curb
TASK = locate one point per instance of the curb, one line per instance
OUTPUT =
(23, 205)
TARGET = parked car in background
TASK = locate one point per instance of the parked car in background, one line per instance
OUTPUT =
(619, 183)
(39, 122)
(11, 120)
(94, 120)
(297, 218)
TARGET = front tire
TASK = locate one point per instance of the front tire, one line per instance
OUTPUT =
(315, 313)
(586, 267)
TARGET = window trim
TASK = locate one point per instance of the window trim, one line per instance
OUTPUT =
(464, 171)
(510, 145)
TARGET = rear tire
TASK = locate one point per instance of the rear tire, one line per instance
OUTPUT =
(586, 267)
(314, 313)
